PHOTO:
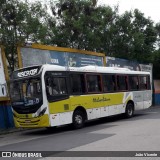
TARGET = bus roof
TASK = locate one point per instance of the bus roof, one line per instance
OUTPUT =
(98, 69)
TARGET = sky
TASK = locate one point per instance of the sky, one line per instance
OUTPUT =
(150, 8)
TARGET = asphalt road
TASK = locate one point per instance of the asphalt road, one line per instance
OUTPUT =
(139, 133)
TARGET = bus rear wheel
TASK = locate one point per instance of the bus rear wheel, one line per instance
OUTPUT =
(129, 110)
(78, 119)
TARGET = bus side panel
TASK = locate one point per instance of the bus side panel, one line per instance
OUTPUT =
(98, 105)
(116, 104)
(60, 112)
(147, 98)
(104, 111)
(91, 103)
(138, 99)
(61, 118)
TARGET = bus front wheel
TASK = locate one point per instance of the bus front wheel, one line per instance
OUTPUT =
(129, 110)
(78, 119)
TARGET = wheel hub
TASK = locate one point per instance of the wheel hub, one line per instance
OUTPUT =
(130, 110)
(78, 119)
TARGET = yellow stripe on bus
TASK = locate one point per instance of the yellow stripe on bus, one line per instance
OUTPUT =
(86, 101)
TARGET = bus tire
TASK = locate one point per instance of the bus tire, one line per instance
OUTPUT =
(78, 119)
(129, 110)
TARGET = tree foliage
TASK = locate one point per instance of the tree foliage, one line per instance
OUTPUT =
(80, 24)
(20, 23)
(86, 26)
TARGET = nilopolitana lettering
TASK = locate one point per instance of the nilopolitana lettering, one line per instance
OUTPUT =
(101, 99)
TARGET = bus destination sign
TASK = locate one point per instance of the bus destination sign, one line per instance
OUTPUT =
(26, 72)
(31, 72)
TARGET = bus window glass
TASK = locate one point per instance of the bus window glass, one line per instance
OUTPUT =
(143, 82)
(133, 82)
(32, 88)
(29, 88)
(16, 91)
(148, 83)
(93, 83)
(56, 86)
(109, 83)
(77, 84)
(122, 83)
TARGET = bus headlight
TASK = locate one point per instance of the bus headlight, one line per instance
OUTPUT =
(42, 112)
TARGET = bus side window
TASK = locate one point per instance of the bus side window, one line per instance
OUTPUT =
(56, 86)
(50, 87)
(108, 83)
(143, 82)
(94, 83)
(148, 82)
(122, 82)
(77, 83)
(133, 82)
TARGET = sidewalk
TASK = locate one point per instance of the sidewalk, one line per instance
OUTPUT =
(11, 130)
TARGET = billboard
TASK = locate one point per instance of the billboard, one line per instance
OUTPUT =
(132, 65)
(41, 54)
(3, 83)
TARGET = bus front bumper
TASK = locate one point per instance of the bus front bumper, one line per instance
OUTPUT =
(42, 121)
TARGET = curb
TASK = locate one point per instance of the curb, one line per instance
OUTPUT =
(12, 130)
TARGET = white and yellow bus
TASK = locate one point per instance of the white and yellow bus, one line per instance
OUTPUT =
(51, 95)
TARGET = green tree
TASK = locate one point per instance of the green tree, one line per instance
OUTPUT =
(81, 24)
(21, 23)
(145, 37)
(122, 36)
(136, 37)
(84, 25)
(78, 24)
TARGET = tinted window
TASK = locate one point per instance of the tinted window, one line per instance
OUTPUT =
(148, 83)
(133, 82)
(77, 84)
(143, 82)
(93, 83)
(56, 86)
(109, 83)
(122, 82)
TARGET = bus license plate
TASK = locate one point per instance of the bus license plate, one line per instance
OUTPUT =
(28, 121)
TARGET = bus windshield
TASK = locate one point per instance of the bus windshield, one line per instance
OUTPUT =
(28, 91)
